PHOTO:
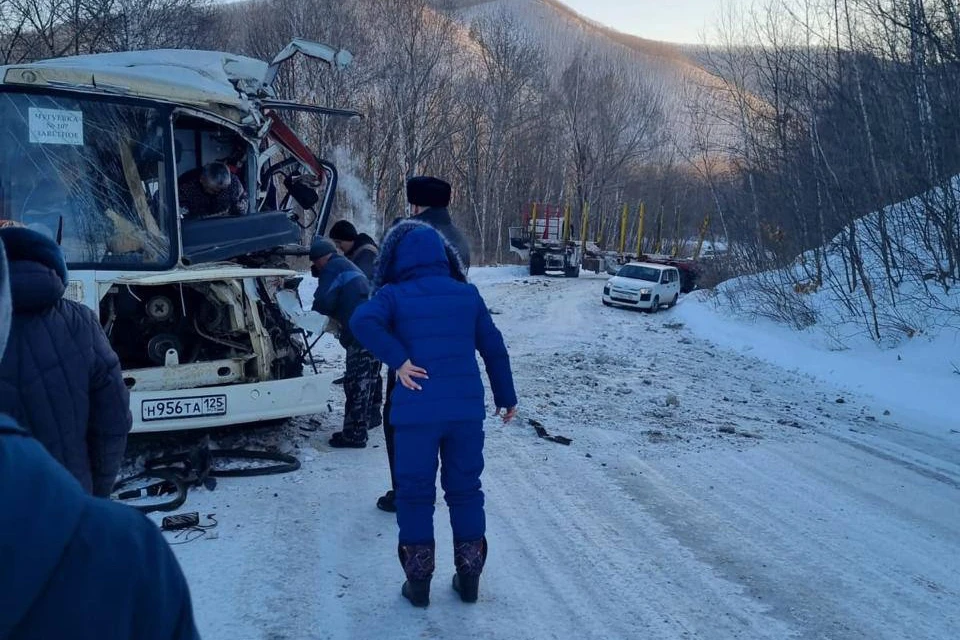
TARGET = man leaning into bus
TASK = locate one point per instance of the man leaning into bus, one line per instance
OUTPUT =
(212, 191)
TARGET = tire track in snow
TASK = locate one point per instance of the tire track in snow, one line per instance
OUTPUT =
(830, 553)
(631, 579)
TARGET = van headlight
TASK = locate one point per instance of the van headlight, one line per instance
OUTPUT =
(606, 289)
(645, 292)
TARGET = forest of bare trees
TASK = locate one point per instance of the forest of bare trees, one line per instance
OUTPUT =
(845, 107)
(812, 114)
(482, 104)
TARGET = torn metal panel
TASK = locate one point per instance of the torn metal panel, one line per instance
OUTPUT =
(341, 58)
(201, 273)
(186, 376)
(225, 84)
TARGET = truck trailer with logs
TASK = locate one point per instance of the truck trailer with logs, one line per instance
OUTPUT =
(547, 242)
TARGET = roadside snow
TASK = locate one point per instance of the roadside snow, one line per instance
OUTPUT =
(706, 494)
(905, 351)
(917, 381)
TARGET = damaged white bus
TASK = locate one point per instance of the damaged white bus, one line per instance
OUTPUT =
(203, 311)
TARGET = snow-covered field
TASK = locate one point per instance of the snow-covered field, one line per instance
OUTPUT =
(709, 492)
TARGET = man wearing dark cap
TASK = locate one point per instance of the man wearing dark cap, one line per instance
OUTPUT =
(429, 198)
(341, 288)
(358, 248)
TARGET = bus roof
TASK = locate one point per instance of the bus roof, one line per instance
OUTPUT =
(211, 80)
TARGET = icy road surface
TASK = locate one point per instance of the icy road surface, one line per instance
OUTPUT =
(705, 495)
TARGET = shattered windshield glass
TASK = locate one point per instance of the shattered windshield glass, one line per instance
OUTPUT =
(92, 172)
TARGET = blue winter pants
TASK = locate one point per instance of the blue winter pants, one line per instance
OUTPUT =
(459, 446)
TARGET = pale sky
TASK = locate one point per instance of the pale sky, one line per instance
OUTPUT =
(668, 20)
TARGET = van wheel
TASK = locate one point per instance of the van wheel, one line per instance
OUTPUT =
(676, 297)
(656, 304)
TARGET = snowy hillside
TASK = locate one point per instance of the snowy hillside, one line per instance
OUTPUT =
(664, 67)
(914, 303)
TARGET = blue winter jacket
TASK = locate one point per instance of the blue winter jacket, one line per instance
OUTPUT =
(341, 288)
(59, 377)
(438, 322)
(74, 566)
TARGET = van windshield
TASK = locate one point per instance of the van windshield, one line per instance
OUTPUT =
(636, 272)
(92, 172)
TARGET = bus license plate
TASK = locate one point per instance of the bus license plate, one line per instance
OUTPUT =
(177, 408)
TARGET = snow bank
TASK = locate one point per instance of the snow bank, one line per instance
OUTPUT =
(907, 355)
(912, 306)
(915, 381)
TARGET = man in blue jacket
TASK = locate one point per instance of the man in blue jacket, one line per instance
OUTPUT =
(59, 378)
(75, 566)
(341, 288)
(427, 324)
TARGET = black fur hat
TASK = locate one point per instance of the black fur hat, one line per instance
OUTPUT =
(426, 191)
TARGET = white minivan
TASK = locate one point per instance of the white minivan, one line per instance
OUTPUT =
(642, 285)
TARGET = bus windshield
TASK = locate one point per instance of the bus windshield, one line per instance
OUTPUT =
(91, 172)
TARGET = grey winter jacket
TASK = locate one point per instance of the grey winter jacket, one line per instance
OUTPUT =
(341, 288)
(59, 377)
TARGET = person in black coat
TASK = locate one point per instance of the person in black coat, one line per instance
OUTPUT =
(358, 248)
(76, 566)
(429, 199)
(341, 288)
(60, 379)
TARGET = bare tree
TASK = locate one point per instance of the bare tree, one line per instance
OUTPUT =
(498, 99)
(33, 29)
(614, 121)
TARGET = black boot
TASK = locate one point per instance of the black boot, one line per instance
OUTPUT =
(386, 502)
(417, 562)
(348, 440)
(469, 558)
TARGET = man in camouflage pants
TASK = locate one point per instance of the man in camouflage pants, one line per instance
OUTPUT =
(341, 288)
(363, 387)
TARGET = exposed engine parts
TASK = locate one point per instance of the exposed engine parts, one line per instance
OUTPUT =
(202, 322)
(159, 308)
(161, 344)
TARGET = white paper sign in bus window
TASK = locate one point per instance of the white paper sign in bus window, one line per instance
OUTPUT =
(56, 126)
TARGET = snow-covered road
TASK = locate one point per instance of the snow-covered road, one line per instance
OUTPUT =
(705, 495)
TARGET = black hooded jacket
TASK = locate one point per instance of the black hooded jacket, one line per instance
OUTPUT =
(59, 377)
